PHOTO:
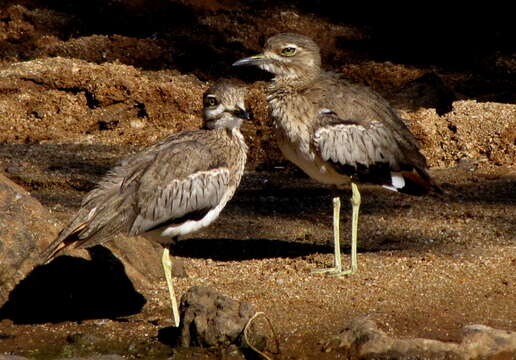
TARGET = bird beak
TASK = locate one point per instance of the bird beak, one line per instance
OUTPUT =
(251, 60)
(241, 113)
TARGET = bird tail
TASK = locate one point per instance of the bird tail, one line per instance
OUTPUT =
(65, 240)
(413, 182)
(87, 228)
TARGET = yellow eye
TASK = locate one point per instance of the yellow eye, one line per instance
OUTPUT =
(211, 101)
(288, 51)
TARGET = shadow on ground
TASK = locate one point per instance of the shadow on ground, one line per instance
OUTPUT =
(237, 250)
(74, 289)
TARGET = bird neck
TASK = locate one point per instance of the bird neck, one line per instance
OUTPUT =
(235, 135)
(295, 81)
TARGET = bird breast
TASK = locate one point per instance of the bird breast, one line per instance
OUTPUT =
(315, 167)
(293, 117)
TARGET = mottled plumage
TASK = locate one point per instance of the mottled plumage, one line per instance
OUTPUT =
(172, 188)
(332, 128)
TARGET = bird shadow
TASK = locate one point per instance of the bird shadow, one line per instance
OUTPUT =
(74, 289)
(251, 249)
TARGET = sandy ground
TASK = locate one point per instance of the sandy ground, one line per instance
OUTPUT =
(427, 265)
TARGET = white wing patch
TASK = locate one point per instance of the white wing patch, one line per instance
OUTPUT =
(199, 191)
(326, 112)
(191, 226)
(397, 181)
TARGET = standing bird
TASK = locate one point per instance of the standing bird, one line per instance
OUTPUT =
(332, 129)
(171, 189)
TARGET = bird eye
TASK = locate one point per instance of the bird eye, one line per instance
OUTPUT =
(211, 101)
(288, 51)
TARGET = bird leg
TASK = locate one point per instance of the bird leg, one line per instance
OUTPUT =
(355, 203)
(337, 269)
(167, 268)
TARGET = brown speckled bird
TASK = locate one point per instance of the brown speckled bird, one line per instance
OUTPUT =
(332, 129)
(173, 188)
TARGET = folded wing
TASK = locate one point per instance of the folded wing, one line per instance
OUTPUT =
(370, 151)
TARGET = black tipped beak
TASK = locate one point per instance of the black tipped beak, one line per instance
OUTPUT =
(241, 113)
(252, 60)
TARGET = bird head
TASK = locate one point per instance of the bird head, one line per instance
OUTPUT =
(224, 105)
(288, 56)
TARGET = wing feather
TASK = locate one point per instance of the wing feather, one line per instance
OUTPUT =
(370, 151)
(352, 143)
(346, 103)
(202, 189)
(176, 176)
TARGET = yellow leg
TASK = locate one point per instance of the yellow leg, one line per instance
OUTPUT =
(337, 268)
(167, 268)
(355, 202)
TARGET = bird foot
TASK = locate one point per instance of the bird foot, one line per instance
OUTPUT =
(334, 271)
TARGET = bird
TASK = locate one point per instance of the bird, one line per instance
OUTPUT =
(172, 188)
(335, 130)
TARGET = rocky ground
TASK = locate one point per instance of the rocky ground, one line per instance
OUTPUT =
(83, 84)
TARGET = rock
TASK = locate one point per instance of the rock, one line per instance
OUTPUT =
(82, 340)
(478, 131)
(67, 288)
(66, 98)
(72, 289)
(26, 228)
(142, 261)
(363, 339)
(484, 342)
(427, 91)
(211, 319)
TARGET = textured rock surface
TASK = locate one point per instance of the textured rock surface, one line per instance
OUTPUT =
(362, 339)
(59, 99)
(477, 132)
(26, 227)
(210, 319)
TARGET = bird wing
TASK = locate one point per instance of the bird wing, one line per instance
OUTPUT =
(372, 152)
(187, 179)
(369, 116)
(349, 142)
(175, 177)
